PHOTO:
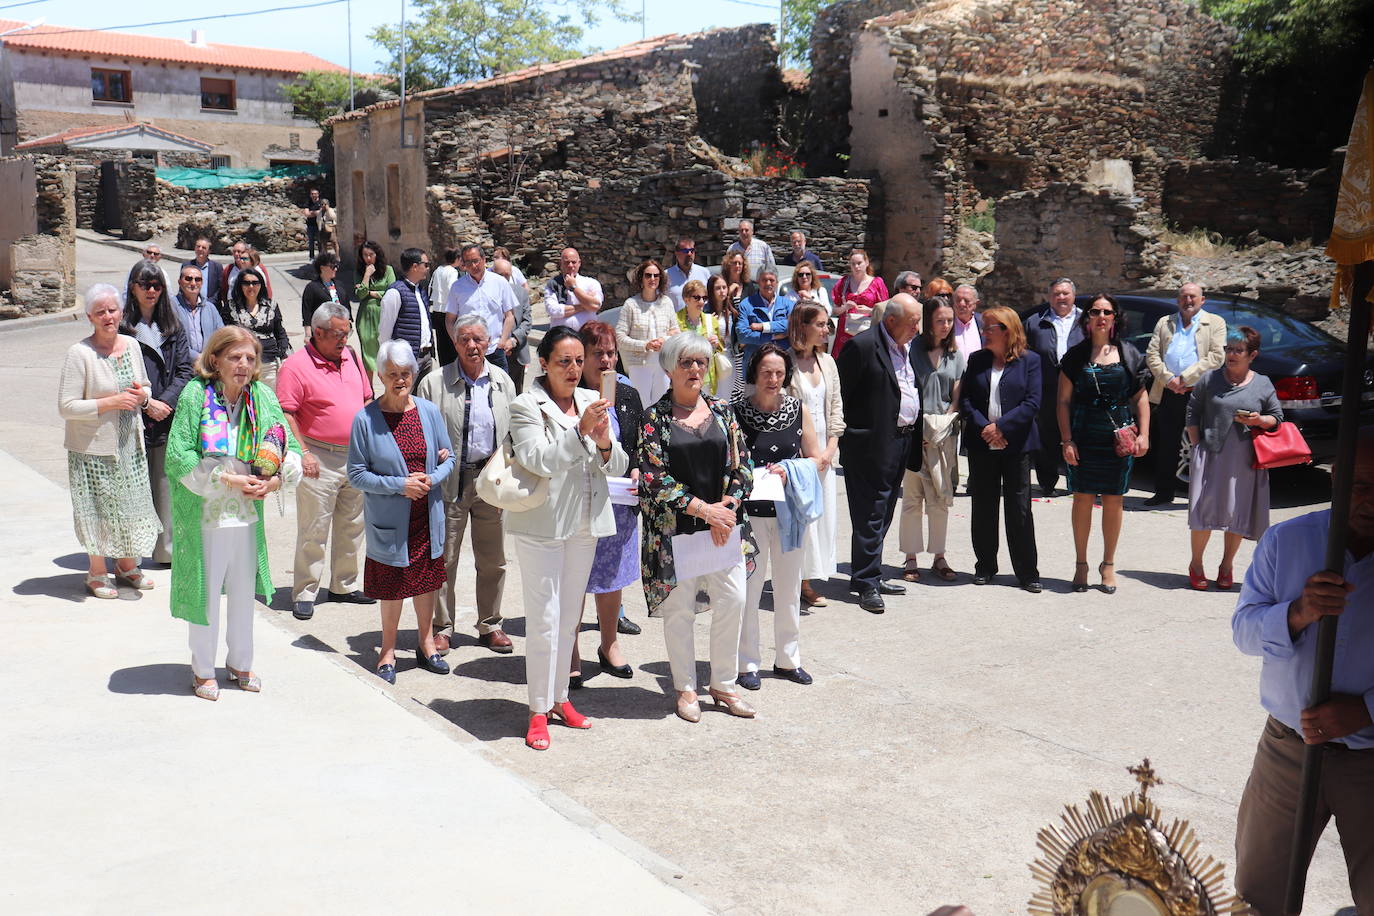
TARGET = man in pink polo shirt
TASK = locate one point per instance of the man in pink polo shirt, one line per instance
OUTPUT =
(322, 386)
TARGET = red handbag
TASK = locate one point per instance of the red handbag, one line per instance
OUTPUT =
(1280, 447)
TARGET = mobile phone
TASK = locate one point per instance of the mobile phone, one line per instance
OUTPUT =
(608, 386)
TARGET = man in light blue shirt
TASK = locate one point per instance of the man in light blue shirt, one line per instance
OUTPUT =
(1286, 592)
(482, 292)
(684, 270)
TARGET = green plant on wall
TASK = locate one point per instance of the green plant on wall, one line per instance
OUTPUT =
(1283, 33)
(798, 16)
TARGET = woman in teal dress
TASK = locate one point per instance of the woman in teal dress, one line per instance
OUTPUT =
(375, 278)
(1100, 391)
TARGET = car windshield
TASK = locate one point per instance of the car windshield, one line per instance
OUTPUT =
(1276, 330)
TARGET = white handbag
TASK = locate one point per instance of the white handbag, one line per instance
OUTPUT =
(507, 484)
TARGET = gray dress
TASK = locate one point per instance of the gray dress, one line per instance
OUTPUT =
(1225, 491)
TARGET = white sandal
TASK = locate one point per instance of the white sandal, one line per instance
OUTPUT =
(134, 577)
(100, 587)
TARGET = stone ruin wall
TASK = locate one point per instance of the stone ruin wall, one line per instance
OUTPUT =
(1237, 197)
(1098, 236)
(621, 223)
(39, 248)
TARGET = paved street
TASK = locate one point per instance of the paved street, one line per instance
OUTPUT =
(935, 742)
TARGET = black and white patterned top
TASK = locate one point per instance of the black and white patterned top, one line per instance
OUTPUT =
(265, 322)
(772, 437)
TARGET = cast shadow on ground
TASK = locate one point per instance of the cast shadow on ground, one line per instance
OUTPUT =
(486, 719)
(70, 587)
(503, 669)
(77, 561)
(163, 678)
(313, 643)
(1169, 581)
(281, 599)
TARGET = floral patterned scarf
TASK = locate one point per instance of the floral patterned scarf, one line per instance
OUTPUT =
(263, 452)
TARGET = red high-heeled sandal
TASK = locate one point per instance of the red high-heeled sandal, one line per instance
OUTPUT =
(570, 717)
(1197, 580)
(1225, 580)
(538, 735)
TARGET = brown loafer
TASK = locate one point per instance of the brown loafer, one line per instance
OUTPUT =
(809, 596)
(496, 641)
(441, 643)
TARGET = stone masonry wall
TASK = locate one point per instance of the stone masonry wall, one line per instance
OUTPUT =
(40, 266)
(618, 224)
(825, 146)
(1236, 197)
(266, 214)
(1098, 237)
(1034, 91)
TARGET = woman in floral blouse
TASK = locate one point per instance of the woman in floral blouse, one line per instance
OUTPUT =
(251, 308)
(695, 474)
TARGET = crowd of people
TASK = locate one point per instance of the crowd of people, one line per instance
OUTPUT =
(692, 443)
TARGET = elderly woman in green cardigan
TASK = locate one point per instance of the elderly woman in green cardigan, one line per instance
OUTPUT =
(228, 448)
(375, 277)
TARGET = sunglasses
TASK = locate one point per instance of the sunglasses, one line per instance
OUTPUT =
(251, 283)
(1101, 313)
(687, 250)
(652, 276)
(192, 279)
(149, 284)
(695, 298)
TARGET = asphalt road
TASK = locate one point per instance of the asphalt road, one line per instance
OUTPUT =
(935, 742)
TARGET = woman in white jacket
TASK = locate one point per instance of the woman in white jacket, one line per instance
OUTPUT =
(646, 321)
(561, 432)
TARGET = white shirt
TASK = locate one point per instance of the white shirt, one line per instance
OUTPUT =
(440, 284)
(480, 424)
(1062, 328)
(491, 297)
(995, 398)
(910, 407)
(561, 302)
(391, 307)
(758, 255)
(677, 280)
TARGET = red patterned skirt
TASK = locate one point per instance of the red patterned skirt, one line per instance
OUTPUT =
(423, 573)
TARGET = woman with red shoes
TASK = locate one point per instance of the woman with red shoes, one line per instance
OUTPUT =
(1225, 491)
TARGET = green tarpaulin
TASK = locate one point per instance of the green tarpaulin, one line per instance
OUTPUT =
(223, 178)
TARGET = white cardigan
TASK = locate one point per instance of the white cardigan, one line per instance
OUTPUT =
(641, 322)
(86, 378)
(546, 441)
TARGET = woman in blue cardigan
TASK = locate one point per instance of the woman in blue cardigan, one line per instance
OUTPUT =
(398, 456)
(999, 400)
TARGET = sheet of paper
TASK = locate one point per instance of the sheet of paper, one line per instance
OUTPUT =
(623, 492)
(767, 486)
(697, 555)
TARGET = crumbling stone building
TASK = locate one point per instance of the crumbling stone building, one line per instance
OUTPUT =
(614, 153)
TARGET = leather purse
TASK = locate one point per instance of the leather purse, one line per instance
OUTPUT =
(507, 484)
(1280, 447)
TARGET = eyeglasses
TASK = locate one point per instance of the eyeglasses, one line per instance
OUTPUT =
(149, 284)
(1102, 313)
(1239, 349)
(695, 298)
(241, 257)
(690, 363)
(335, 334)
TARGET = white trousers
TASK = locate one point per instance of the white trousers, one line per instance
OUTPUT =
(678, 611)
(553, 580)
(917, 500)
(231, 566)
(787, 576)
(649, 380)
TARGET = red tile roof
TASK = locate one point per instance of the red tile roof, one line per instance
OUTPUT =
(64, 40)
(80, 133)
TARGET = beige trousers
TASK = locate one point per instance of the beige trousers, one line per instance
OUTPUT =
(1268, 810)
(488, 554)
(918, 500)
(328, 510)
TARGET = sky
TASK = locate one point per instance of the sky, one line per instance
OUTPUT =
(323, 30)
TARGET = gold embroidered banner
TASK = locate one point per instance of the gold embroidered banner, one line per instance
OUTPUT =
(1352, 233)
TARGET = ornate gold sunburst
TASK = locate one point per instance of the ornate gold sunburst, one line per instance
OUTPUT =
(1118, 860)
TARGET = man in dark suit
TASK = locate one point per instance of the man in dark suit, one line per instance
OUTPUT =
(1050, 334)
(882, 415)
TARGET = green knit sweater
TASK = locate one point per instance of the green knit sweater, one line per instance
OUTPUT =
(183, 454)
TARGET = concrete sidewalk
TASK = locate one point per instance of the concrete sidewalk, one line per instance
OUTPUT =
(122, 792)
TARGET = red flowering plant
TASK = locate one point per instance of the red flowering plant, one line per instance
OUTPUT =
(770, 161)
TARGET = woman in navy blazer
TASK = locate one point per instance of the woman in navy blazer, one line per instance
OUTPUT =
(1000, 398)
(399, 455)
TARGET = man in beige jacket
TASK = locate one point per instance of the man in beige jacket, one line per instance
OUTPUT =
(1182, 348)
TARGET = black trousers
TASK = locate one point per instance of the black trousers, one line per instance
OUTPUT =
(312, 237)
(1005, 476)
(497, 357)
(517, 375)
(444, 350)
(1166, 433)
(1047, 459)
(873, 483)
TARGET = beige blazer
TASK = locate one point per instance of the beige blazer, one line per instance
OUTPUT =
(637, 325)
(447, 389)
(87, 377)
(1211, 350)
(546, 441)
(834, 404)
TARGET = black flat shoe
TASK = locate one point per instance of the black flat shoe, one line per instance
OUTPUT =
(980, 579)
(434, 663)
(627, 627)
(351, 598)
(1159, 500)
(303, 610)
(387, 673)
(575, 682)
(795, 675)
(872, 602)
(749, 680)
(888, 587)
(614, 670)
(1034, 586)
